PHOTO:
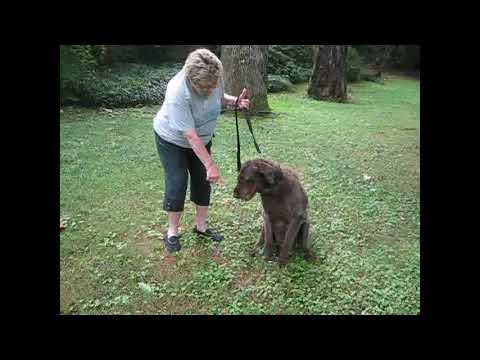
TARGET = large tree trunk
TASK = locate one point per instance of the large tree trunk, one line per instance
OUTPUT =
(245, 66)
(328, 80)
(264, 50)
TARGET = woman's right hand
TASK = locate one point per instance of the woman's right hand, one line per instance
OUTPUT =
(213, 174)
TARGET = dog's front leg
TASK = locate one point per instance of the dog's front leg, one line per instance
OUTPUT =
(268, 238)
(291, 234)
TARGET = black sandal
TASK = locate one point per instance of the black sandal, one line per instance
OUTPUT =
(172, 243)
(209, 233)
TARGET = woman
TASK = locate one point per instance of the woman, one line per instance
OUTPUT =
(184, 128)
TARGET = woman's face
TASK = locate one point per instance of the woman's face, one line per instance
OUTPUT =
(203, 90)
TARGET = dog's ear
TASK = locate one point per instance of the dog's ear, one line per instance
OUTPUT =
(272, 175)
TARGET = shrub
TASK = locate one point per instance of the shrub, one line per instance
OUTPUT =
(277, 83)
(301, 55)
(125, 85)
(353, 65)
(406, 57)
(78, 65)
(291, 61)
(298, 74)
(362, 51)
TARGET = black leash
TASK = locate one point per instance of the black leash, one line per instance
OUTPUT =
(249, 123)
(239, 163)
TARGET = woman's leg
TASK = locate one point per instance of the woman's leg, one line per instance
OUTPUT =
(201, 218)
(200, 195)
(199, 188)
(173, 222)
(175, 164)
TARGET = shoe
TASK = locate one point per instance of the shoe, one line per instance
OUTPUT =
(209, 233)
(172, 243)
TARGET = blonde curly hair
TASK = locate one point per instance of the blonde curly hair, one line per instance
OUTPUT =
(203, 68)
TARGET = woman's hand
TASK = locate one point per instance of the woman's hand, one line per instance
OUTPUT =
(213, 174)
(243, 102)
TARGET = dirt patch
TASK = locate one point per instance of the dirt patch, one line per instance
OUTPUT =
(217, 257)
(160, 306)
(246, 278)
(148, 240)
(165, 268)
(174, 306)
(74, 286)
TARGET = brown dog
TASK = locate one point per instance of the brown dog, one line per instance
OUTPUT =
(284, 203)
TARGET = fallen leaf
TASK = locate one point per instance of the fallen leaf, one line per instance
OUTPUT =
(366, 177)
(107, 110)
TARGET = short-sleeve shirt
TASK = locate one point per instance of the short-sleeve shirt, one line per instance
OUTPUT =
(183, 109)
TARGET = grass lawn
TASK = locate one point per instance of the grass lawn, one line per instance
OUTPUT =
(359, 163)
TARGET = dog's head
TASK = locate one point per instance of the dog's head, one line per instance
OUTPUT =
(258, 175)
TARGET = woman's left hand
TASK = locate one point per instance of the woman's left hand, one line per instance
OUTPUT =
(243, 102)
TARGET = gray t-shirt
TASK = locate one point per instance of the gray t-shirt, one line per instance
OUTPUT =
(183, 109)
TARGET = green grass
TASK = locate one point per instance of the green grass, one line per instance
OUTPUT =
(359, 163)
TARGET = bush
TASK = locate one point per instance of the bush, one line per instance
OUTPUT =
(291, 61)
(78, 64)
(297, 74)
(406, 57)
(301, 55)
(361, 50)
(353, 65)
(277, 83)
(125, 85)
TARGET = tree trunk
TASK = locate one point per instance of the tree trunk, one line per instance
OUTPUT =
(245, 66)
(264, 50)
(328, 80)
